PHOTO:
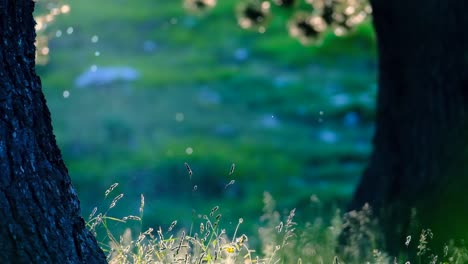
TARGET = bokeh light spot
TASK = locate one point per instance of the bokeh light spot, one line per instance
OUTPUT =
(189, 151)
(179, 117)
(94, 39)
(65, 9)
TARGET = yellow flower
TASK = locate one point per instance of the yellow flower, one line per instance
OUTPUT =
(230, 249)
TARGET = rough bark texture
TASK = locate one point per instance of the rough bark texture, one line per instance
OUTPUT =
(39, 208)
(420, 146)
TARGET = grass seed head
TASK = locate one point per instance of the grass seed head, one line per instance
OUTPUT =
(111, 188)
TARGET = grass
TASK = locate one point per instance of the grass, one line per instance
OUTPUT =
(210, 238)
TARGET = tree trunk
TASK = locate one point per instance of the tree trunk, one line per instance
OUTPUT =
(40, 211)
(420, 152)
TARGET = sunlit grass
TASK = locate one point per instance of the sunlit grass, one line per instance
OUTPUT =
(207, 238)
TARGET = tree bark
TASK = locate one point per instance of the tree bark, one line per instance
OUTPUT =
(40, 211)
(420, 157)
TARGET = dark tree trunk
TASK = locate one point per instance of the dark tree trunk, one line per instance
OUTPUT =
(420, 157)
(39, 209)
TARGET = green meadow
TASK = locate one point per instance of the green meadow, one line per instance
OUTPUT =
(295, 120)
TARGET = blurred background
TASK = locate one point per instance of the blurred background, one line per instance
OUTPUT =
(138, 88)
